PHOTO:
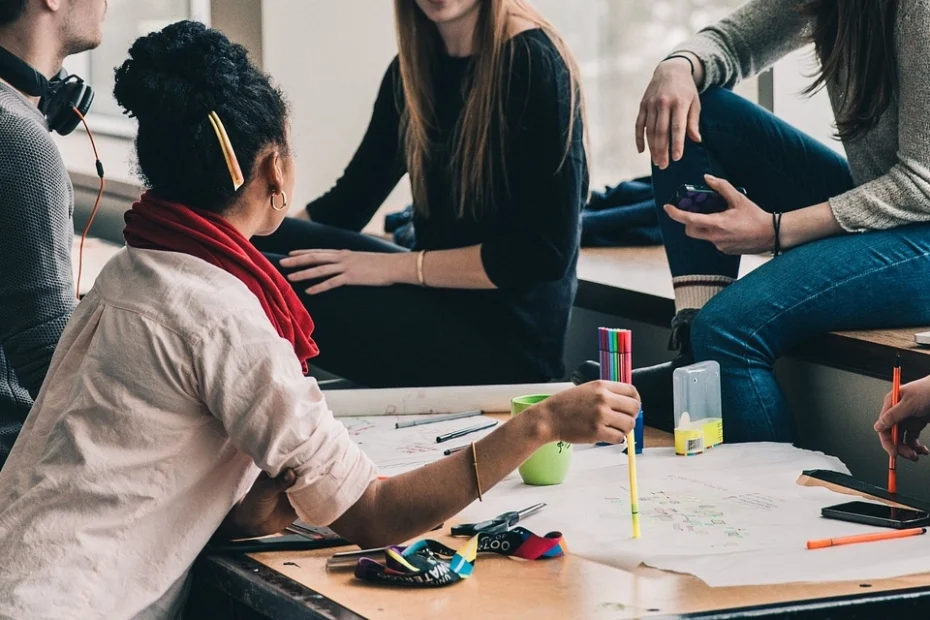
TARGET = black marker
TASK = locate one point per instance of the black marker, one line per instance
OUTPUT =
(465, 431)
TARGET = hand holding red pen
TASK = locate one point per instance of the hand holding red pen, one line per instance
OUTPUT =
(911, 414)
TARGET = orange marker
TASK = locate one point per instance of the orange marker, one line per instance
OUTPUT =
(862, 538)
(895, 399)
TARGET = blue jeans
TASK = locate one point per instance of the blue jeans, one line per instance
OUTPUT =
(864, 281)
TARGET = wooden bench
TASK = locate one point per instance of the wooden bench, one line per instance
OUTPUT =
(635, 283)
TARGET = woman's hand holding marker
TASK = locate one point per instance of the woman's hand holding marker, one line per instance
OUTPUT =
(911, 414)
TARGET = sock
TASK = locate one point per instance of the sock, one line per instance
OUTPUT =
(695, 291)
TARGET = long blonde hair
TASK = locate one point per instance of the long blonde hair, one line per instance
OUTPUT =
(474, 162)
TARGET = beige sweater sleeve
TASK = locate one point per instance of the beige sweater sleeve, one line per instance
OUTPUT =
(748, 41)
(251, 381)
(901, 195)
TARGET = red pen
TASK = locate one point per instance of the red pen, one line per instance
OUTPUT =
(895, 399)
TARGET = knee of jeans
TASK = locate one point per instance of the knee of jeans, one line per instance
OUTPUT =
(721, 332)
(715, 335)
(706, 336)
(720, 106)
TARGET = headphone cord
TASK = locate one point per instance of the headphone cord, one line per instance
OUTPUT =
(93, 213)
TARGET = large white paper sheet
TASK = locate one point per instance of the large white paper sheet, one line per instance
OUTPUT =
(733, 516)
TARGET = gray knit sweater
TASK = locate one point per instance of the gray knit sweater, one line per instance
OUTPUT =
(36, 284)
(891, 165)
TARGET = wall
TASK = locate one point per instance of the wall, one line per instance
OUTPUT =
(239, 19)
(329, 57)
(332, 77)
(812, 115)
(333, 82)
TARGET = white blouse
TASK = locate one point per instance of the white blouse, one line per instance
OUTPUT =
(168, 392)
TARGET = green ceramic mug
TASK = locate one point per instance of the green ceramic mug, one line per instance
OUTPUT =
(549, 464)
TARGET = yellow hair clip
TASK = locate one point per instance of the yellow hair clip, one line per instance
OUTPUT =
(228, 153)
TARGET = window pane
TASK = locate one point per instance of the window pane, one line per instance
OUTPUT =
(618, 43)
(126, 21)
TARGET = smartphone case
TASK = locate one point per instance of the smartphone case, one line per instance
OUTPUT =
(700, 199)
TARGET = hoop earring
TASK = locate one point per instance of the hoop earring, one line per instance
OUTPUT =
(283, 206)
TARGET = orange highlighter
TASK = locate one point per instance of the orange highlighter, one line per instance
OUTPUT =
(862, 538)
(895, 399)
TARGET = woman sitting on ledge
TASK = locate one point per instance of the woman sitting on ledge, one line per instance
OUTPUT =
(854, 232)
(482, 108)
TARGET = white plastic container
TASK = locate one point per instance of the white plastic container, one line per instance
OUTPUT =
(698, 414)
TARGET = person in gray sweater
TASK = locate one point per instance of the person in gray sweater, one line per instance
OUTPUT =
(854, 230)
(37, 292)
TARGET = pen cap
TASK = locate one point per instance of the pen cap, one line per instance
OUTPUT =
(616, 354)
(614, 340)
(624, 341)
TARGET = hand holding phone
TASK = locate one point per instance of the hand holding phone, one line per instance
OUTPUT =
(701, 199)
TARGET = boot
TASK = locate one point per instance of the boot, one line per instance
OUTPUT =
(654, 383)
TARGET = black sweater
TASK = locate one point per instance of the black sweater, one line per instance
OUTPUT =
(529, 240)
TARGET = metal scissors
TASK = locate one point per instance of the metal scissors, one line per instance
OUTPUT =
(500, 523)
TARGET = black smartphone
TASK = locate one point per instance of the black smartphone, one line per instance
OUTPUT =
(701, 199)
(877, 514)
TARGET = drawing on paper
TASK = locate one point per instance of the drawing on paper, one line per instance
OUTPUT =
(689, 514)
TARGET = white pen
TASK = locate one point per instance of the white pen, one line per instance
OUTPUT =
(451, 416)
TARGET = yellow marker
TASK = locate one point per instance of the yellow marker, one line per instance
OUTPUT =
(634, 490)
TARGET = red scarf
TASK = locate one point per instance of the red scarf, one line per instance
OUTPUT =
(155, 224)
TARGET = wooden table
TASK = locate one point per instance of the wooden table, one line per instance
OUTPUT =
(297, 585)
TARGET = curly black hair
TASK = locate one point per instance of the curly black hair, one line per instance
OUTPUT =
(171, 82)
(11, 10)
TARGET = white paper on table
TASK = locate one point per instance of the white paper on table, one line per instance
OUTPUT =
(412, 401)
(732, 516)
(397, 450)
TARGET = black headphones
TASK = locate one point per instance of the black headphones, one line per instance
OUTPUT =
(58, 97)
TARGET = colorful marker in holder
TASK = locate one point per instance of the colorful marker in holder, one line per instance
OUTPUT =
(616, 358)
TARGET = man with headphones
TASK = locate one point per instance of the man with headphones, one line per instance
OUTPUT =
(36, 197)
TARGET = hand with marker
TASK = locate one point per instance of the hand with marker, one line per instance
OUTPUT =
(911, 414)
(418, 499)
(600, 411)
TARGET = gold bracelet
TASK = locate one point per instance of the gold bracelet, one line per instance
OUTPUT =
(474, 462)
(420, 277)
